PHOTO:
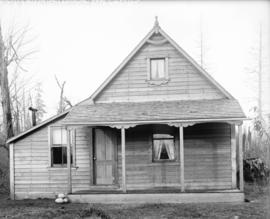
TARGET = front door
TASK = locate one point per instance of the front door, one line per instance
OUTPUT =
(104, 156)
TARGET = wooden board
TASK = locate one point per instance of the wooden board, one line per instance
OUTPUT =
(104, 156)
(157, 198)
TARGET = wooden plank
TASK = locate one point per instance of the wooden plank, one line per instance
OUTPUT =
(69, 177)
(11, 171)
(181, 150)
(123, 154)
(147, 198)
(240, 154)
(233, 155)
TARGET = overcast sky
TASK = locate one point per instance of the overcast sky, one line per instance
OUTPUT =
(82, 43)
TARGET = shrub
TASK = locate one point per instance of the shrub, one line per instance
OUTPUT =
(255, 170)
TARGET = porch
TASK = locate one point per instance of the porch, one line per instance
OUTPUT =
(208, 149)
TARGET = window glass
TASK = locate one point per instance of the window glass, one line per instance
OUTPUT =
(59, 136)
(157, 68)
(59, 146)
(163, 146)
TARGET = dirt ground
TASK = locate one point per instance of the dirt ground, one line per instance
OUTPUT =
(258, 207)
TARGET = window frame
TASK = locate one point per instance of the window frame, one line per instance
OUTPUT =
(153, 148)
(158, 81)
(72, 145)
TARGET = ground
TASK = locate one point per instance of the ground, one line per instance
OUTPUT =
(258, 207)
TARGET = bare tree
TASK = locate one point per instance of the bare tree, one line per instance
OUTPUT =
(5, 95)
(12, 53)
(64, 103)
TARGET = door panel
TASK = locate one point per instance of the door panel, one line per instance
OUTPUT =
(104, 156)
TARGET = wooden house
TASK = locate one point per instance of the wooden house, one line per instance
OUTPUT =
(159, 129)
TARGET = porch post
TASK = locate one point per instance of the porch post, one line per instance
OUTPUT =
(240, 160)
(233, 156)
(69, 189)
(123, 155)
(181, 150)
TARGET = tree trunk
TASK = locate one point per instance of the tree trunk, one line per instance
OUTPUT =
(7, 116)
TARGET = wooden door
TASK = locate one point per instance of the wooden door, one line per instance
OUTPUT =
(104, 157)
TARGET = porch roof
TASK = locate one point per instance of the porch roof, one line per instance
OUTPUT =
(154, 111)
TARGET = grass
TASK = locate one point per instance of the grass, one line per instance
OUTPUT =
(258, 207)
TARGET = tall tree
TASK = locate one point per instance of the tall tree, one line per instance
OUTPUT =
(12, 52)
(39, 103)
(4, 86)
(260, 73)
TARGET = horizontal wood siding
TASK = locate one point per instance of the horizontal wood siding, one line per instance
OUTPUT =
(207, 156)
(33, 175)
(185, 82)
(141, 171)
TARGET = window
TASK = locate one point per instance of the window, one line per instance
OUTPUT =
(59, 146)
(157, 68)
(163, 147)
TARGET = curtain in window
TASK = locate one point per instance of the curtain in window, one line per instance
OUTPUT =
(170, 149)
(162, 144)
(157, 68)
(157, 149)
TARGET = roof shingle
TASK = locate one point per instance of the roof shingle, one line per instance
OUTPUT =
(154, 111)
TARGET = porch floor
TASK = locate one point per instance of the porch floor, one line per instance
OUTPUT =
(155, 196)
(152, 191)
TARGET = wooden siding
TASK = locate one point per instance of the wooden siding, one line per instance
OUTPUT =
(33, 175)
(141, 172)
(207, 156)
(207, 159)
(185, 82)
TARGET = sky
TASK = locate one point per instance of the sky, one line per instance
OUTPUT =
(82, 43)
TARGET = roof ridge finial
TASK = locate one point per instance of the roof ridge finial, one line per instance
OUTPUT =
(156, 21)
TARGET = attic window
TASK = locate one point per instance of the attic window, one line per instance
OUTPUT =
(157, 68)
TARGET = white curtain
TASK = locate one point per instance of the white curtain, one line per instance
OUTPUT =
(157, 68)
(170, 149)
(157, 149)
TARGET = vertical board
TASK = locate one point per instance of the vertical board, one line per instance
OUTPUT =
(11, 171)
(104, 156)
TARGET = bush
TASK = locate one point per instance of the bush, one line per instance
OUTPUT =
(255, 170)
(4, 179)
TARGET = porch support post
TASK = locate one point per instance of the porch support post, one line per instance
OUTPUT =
(240, 160)
(123, 155)
(11, 172)
(181, 151)
(69, 189)
(233, 156)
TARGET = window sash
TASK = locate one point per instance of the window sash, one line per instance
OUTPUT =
(163, 142)
(63, 145)
(157, 68)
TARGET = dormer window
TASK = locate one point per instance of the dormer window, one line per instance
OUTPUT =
(157, 68)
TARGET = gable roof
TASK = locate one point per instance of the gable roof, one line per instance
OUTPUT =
(157, 29)
(155, 112)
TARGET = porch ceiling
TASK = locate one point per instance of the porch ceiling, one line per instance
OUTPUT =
(154, 111)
